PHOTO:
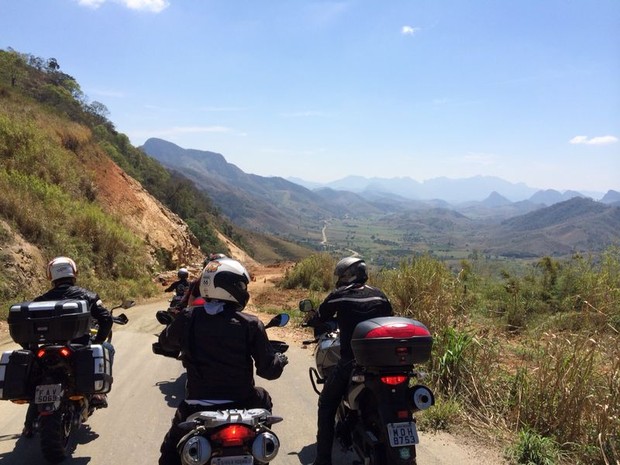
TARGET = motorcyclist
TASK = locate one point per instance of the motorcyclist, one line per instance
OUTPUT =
(180, 285)
(220, 345)
(62, 272)
(350, 303)
(193, 290)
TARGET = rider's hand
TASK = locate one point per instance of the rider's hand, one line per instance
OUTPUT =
(283, 359)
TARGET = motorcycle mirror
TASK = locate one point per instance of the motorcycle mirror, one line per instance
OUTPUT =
(279, 320)
(128, 304)
(163, 317)
(306, 305)
(121, 319)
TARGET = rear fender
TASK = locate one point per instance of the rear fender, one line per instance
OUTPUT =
(391, 400)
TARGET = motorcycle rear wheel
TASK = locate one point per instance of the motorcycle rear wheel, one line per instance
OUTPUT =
(55, 432)
(382, 453)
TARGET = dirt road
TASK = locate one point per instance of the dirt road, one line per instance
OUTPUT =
(147, 389)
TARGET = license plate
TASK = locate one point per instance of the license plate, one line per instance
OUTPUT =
(47, 393)
(233, 460)
(402, 434)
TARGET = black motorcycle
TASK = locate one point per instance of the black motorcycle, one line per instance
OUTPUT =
(376, 416)
(59, 377)
(228, 436)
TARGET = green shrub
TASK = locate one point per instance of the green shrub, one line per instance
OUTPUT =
(533, 449)
(315, 273)
(424, 289)
(440, 416)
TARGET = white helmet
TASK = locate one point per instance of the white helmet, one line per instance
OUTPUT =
(225, 279)
(61, 267)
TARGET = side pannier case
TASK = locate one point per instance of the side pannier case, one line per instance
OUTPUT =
(49, 321)
(15, 367)
(391, 342)
(93, 370)
(327, 355)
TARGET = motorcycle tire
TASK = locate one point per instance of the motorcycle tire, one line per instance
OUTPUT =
(382, 454)
(55, 431)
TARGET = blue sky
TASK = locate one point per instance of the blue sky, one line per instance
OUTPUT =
(525, 90)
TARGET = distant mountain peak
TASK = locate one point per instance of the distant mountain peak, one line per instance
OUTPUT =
(611, 197)
(496, 200)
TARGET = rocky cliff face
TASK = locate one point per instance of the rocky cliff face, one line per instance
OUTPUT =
(122, 196)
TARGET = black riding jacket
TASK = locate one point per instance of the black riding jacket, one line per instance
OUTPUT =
(97, 310)
(351, 305)
(220, 351)
(179, 287)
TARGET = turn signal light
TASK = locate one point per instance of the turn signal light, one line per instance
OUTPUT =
(65, 352)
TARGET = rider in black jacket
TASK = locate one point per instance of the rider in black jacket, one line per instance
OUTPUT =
(62, 272)
(220, 346)
(350, 303)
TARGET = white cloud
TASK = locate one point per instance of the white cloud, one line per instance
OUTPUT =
(600, 140)
(409, 30)
(155, 6)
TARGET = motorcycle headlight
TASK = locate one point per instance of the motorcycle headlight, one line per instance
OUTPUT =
(196, 451)
(265, 446)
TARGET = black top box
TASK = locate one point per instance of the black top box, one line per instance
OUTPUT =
(49, 321)
(391, 342)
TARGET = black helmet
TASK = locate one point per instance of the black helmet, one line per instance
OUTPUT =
(182, 273)
(350, 270)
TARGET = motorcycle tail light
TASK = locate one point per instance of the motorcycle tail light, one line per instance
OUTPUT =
(265, 447)
(233, 435)
(403, 415)
(196, 451)
(65, 352)
(394, 380)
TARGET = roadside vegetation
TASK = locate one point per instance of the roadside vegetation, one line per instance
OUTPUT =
(48, 128)
(530, 359)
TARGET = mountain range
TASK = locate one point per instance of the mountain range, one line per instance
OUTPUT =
(559, 223)
(452, 191)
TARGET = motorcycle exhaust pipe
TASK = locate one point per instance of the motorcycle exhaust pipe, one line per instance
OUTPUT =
(422, 397)
(196, 451)
(265, 447)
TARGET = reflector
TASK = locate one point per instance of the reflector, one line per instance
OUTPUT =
(397, 330)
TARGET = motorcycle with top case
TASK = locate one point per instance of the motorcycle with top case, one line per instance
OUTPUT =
(57, 376)
(376, 417)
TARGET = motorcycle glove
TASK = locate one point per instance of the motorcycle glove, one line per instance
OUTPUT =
(283, 359)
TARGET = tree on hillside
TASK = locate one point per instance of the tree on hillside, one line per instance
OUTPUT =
(12, 64)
